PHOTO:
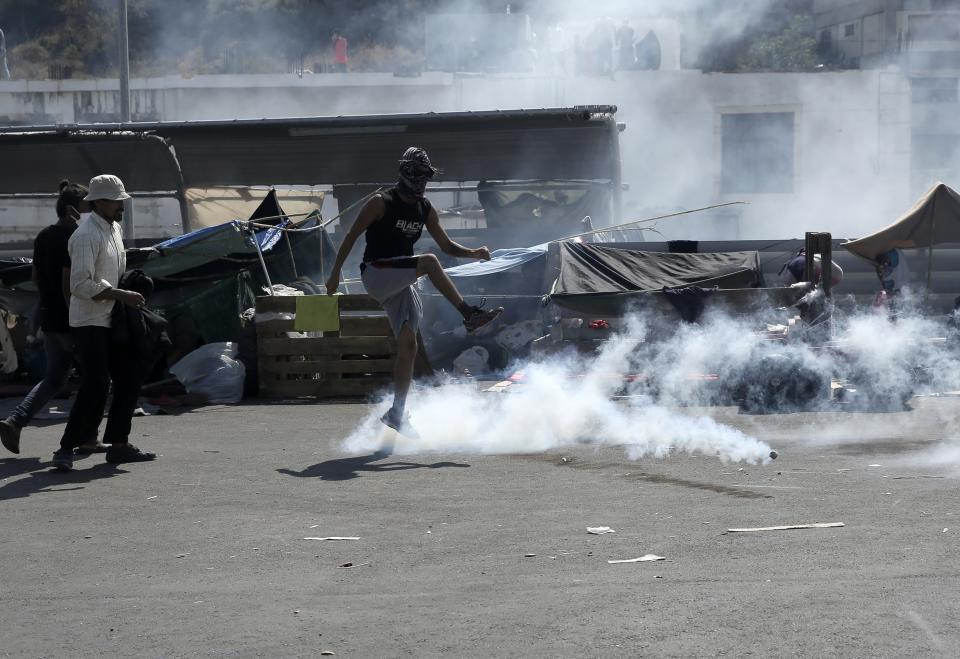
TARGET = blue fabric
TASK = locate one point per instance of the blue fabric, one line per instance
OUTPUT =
(501, 260)
(266, 237)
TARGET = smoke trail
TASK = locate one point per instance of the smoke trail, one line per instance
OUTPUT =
(562, 402)
(569, 400)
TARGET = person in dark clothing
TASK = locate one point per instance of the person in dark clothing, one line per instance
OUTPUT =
(392, 223)
(97, 262)
(51, 274)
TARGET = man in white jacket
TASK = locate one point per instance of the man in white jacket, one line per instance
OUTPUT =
(97, 261)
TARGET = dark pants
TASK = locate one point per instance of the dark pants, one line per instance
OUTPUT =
(102, 361)
(59, 350)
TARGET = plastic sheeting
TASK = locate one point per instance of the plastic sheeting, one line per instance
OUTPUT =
(501, 260)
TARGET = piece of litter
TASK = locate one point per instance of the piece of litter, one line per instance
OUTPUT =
(873, 465)
(326, 653)
(944, 531)
(314, 526)
(643, 559)
(347, 566)
(334, 537)
(843, 470)
(183, 555)
(296, 611)
(599, 530)
(151, 498)
(529, 555)
(821, 525)
(87, 537)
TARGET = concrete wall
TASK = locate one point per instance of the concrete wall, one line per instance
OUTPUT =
(851, 131)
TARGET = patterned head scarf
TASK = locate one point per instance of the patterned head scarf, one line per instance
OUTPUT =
(415, 170)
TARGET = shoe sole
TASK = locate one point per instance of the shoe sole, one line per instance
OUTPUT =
(122, 462)
(477, 329)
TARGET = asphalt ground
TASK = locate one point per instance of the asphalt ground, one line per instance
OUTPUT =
(202, 553)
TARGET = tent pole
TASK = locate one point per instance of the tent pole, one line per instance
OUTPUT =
(293, 260)
(263, 264)
(933, 224)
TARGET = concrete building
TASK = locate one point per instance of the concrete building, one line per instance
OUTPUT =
(922, 39)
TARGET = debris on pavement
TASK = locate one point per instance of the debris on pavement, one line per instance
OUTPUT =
(529, 555)
(789, 527)
(599, 530)
(335, 537)
(642, 559)
(347, 566)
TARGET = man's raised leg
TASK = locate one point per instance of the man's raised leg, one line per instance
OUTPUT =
(473, 317)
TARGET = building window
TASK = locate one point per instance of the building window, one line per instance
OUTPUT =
(934, 90)
(757, 152)
(850, 29)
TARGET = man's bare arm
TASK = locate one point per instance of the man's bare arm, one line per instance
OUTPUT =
(372, 211)
(450, 247)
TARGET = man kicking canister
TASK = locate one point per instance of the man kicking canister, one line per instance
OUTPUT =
(392, 222)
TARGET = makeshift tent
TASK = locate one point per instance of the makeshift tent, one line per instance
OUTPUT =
(207, 207)
(535, 211)
(224, 250)
(933, 220)
(604, 280)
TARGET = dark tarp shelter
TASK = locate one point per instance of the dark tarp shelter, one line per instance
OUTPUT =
(602, 280)
(169, 157)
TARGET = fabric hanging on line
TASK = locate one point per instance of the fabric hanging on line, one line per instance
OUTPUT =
(317, 313)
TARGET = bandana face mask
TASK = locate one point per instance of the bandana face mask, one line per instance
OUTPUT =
(413, 185)
(415, 171)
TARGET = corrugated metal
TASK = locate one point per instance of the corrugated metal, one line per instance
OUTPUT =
(564, 143)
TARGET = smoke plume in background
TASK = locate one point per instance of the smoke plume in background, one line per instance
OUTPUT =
(568, 400)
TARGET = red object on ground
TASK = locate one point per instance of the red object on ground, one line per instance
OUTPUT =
(599, 324)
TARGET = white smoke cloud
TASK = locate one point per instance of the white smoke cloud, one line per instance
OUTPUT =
(569, 400)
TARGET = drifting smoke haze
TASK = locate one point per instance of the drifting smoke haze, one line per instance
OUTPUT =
(563, 401)
(569, 400)
(672, 147)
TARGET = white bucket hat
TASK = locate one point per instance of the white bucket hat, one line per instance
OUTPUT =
(106, 186)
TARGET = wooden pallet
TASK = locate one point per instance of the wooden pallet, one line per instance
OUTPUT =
(356, 361)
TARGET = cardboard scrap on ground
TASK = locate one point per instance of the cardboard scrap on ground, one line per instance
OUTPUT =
(499, 388)
(820, 525)
(334, 537)
(599, 530)
(643, 559)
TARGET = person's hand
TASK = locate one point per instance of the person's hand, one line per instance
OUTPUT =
(482, 253)
(130, 298)
(333, 283)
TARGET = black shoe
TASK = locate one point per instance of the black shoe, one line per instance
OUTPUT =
(10, 436)
(63, 460)
(120, 453)
(480, 317)
(400, 423)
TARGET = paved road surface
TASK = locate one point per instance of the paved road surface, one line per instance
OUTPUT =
(201, 554)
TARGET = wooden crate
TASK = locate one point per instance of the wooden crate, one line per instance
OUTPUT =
(356, 361)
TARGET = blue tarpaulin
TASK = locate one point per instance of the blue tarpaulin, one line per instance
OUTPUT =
(501, 260)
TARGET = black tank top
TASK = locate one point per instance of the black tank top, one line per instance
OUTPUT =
(395, 233)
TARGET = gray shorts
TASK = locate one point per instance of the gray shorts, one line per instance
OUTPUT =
(391, 283)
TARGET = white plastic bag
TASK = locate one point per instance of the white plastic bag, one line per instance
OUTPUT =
(214, 371)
